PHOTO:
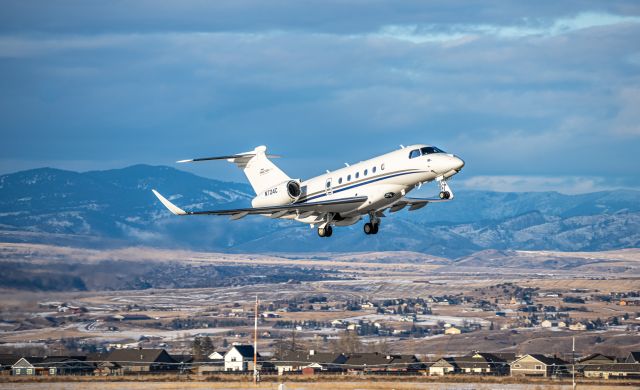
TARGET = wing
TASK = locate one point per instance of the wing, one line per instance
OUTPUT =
(328, 206)
(414, 203)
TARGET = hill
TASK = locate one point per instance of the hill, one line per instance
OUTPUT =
(116, 207)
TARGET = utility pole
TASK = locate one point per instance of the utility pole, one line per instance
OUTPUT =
(573, 359)
(255, 345)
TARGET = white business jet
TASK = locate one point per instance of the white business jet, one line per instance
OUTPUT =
(341, 197)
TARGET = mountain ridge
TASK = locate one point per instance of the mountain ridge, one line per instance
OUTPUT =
(117, 205)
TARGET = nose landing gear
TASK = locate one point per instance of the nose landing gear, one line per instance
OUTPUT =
(445, 191)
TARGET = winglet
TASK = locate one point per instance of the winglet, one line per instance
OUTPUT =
(172, 207)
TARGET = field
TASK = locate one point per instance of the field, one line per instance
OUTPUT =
(411, 298)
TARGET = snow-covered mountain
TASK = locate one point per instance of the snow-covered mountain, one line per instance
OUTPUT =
(116, 207)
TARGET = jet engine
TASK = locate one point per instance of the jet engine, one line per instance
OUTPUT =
(283, 194)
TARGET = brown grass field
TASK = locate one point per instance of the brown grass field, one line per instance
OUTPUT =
(301, 383)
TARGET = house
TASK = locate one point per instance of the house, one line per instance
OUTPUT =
(613, 370)
(216, 356)
(239, 358)
(142, 360)
(474, 363)
(293, 361)
(578, 326)
(538, 365)
(452, 330)
(634, 357)
(106, 368)
(6, 361)
(499, 361)
(368, 362)
(595, 359)
(31, 365)
(67, 365)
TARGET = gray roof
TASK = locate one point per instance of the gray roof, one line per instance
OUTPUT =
(306, 358)
(139, 356)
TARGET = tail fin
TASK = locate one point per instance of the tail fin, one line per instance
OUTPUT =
(260, 171)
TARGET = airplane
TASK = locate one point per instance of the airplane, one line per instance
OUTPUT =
(341, 197)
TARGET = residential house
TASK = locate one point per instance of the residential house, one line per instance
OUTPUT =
(31, 365)
(239, 358)
(613, 370)
(499, 361)
(67, 365)
(368, 362)
(294, 361)
(142, 360)
(474, 363)
(106, 368)
(634, 357)
(212, 364)
(452, 330)
(539, 365)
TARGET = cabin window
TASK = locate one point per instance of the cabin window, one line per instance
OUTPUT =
(348, 177)
(357, 175)
(29, 371)
(373, 170)
(366, 172)
(430, 150)
(382, 167)
(328, 183)
(339, 180)
(538, 367)
(415, 153)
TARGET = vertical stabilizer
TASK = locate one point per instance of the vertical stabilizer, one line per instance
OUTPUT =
(261, 172)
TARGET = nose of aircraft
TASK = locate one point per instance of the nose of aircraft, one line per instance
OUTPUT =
(458, 163)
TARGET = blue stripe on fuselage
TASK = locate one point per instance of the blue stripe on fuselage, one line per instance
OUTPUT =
(389, 176)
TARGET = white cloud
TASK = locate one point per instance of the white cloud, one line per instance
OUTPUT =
(437, 33)
(563, 184)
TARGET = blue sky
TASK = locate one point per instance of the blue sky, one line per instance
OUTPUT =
(533, 95)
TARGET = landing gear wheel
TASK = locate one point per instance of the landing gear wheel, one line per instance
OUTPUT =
(375, 228)
(322, 232)
(325, 231)
(328, 231)
(445, 195)
(368, 228)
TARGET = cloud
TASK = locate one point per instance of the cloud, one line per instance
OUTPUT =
(563, 184)
(528, 27)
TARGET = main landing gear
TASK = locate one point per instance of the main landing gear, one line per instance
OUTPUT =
(371, 227)
(326, 231)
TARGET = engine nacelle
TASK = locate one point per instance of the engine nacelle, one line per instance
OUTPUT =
(283, 194)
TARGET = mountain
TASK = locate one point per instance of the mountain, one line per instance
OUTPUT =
(116, 207)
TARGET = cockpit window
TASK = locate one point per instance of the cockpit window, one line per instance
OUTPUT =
(430, 149)
(415, 153)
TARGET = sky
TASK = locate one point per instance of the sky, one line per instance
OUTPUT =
(540, 95)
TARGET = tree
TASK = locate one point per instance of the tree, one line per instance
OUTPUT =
(348, 343)
(225, 343)
(196, 348)
(207, 345)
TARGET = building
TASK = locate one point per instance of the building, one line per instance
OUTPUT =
(67, 365)
(634, 357)
(297, 361)
(239, 358)
(613, 370)
(31, 365)
(142, 360)
(481, 363)
(452, 330)
(539, 365)
(368, 362)
(594, 359)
